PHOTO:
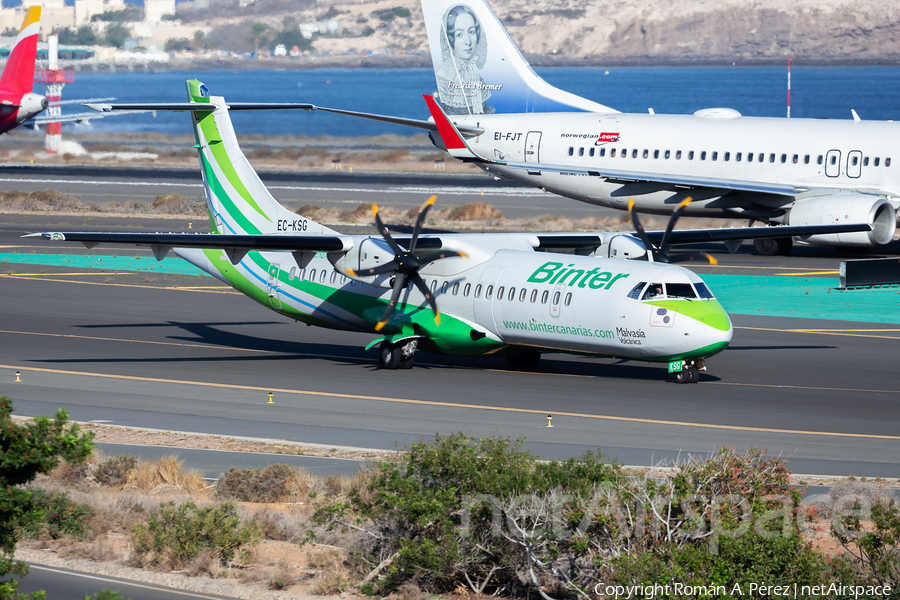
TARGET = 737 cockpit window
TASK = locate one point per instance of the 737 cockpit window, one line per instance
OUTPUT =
(635, 293)
(654, 290)
(703, 291)
(680, 290)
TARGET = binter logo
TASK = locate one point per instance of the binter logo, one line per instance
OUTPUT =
(554, 272)
(606, 138)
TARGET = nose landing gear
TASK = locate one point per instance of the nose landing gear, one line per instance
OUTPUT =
(397, 356)
(690, 371)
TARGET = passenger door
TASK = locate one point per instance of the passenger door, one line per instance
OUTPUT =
(484, 304)
(532, 146)
(272, 284)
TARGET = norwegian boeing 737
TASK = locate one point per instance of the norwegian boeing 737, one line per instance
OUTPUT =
(777, 171)
(498, 295)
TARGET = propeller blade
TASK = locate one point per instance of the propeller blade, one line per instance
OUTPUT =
(385, 268)
(693, 256)
(419, 283)
(399, 284)
(635, 220)
(672, 220)
(433, 256)
(384, 232)
(420, 221)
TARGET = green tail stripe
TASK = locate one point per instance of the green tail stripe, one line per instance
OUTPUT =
(219, 192)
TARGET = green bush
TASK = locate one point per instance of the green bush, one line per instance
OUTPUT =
(116, 471)
(58, 516)
(271, 484)
(177, 534)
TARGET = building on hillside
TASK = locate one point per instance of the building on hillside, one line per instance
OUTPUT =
(86, 9)
(54, 14)
(155, 10)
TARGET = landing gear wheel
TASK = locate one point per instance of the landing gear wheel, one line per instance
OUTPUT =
(773, 246)
(695, 374)
(688, 375)
(407, 363)
(388, 356)
(525, 360)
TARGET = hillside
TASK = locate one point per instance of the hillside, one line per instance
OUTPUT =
(597, 32)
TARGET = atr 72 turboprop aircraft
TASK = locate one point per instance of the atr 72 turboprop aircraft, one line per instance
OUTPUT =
(17, 102)
(777, 171)
(498, 295)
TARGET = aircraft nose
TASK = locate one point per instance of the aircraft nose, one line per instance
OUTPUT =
(44, 103)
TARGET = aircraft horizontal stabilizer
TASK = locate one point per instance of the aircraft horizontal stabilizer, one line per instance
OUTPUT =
(78, 117)
(290, 243)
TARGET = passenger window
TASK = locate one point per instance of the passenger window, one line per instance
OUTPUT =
(819, 160)
(727, 156)
(312, 275)
(784, 158)
(555, 298)
(749, 157)
(624, 152)
(478, 290)
(635, 293)
(352, 282)
(603, 152)
(866, 161)
(737, 157)
(333, 276)
(343, 279)
(292, 273)
(612, 153)
(833, 160)
(301, 275)
(591, 152)
(444, 287)
(691, 155)
(876, 161)
(656, 154)
(647, 153)
(634, 153)
(654, 290)
(680, 290)
(715, 155)
(456, 288)
(467, 289)
(512, 294)
(581, 152)
(806, 159)
(795, 158)
(434, 286)
(544, 297)
(488, 292)
(667, 154)
(703, 155)
(887, 162)
(855, 160)
(571, 151)
(522, 295)
(569, 298)
(500, 293)
(533, 296)
(761, 157)
(703, 291)
(678, 155)
(323, 276)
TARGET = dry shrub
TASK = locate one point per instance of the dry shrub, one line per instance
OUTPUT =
(204, 564)
(45, 201)
(282, 577)
(275, 483)
(118, 471)
(844, 494)
(101, 549)
(168, 471)
(475, 211)
(261, 152)
(399, 155)
(410, 591)
(363, 212)
(310, 211)
(176, 204)
(73, 476)
(333, 576)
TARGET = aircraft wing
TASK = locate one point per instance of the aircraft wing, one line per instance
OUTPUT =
(290, 243)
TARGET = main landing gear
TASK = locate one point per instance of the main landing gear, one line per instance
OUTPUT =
(690, 371)
(773, 246)
(397, 356)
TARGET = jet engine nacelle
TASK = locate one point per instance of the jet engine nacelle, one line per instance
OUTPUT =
(845, 209)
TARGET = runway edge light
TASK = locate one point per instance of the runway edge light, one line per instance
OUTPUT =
(549, 420)
(18, 377)
(270, 398)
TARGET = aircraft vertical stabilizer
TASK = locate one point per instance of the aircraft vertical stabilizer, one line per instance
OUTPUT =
(479, 69)
(238, 201)
(18, 75)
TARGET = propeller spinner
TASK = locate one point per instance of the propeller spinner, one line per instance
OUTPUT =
(660, 253)
(406, 264)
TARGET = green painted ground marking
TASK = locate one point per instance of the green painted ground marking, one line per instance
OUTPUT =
(778, 296)
(804, 297)
(171, 265)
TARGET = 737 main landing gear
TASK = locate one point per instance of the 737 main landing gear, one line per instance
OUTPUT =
(690, 371)
(397, 356)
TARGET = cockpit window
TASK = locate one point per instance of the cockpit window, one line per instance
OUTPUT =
(654, 290)
(204, 91)
(635, 294)
(703, 291)
(680, 290)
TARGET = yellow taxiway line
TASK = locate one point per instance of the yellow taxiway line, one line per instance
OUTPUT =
(458, 404)
(43, 277)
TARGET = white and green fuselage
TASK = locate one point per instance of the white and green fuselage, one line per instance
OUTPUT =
(502, 298)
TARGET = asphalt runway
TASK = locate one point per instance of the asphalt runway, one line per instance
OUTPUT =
(185, 353)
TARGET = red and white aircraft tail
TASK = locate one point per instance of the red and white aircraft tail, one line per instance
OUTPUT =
(17, 102)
